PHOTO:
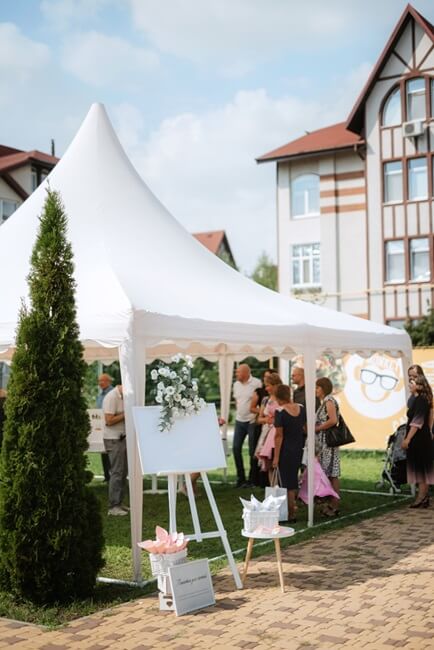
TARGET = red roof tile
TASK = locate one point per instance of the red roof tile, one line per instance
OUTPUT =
(327, 139)
(18, 159)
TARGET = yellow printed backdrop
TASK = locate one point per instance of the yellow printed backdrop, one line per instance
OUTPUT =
(425, 357)
(372, 399)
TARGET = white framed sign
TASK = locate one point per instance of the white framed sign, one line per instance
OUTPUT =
(192, 587)
(96, 435)
(193, 444)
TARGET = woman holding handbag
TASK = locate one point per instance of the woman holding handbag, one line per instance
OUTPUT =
(289, 422)
(327, 416)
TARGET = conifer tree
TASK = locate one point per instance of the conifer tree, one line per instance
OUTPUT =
(50, 524)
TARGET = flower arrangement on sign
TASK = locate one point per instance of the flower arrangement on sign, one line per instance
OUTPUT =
(176, 391)
(165, 543)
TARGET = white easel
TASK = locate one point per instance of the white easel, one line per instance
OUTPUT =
(199, 536)
(192, 444)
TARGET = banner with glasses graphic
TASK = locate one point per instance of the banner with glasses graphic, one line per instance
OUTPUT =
(372, 398)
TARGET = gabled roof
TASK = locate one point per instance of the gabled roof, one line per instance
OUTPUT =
(356, 119)
(14, 160)
(329, 138)
(211, 240)
(6, 151)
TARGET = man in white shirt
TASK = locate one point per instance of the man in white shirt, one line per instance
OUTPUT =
(116, 447)
(243, 390)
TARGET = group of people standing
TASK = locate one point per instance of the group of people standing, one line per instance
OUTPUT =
(274, 421)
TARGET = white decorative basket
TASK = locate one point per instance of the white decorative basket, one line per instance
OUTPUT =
(253, 519)
(160, 563)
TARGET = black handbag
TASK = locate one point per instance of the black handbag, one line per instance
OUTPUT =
(339, 434)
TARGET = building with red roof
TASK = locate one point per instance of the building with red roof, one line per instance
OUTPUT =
(355, 199)
(217, 242)
(20, 174)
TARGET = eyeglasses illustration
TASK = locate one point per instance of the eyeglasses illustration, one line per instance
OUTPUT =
(369, 377)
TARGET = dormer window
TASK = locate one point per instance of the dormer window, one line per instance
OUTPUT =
(392, 109)
(305, 196)
(416, 108)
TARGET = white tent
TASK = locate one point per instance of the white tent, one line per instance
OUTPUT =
(148, 288)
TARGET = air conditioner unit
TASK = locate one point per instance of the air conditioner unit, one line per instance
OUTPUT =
(414, 128)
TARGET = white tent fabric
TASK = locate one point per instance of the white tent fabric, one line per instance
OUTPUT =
(148, 288)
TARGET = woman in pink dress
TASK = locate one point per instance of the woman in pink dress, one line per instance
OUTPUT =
(265, 448)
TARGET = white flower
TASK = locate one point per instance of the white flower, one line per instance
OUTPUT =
(159, 398)
(184, 369)
(189, 403)
(162, 372)
(154, 374)
(177, 397)
(160, 386)
(167, 398)
(170, 390)
(173, 375)
(181, 387)
(195, 387)
(184, 402)
(176, 358)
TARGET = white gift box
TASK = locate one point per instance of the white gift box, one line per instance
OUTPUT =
(160, 563)
(254, 518)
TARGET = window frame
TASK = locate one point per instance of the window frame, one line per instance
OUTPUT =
(301, 259)
(386, 102)
(407, 97)
(2, 219)
(410, 259)
(304, 215)
(393, 201)
(409, 161)
(403, 280)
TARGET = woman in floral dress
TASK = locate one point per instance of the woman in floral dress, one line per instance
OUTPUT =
(326, 417)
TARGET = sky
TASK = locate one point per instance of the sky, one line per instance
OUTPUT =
(196, 90)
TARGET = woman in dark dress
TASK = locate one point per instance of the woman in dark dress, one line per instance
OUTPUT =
(290, 422)
(418, 440)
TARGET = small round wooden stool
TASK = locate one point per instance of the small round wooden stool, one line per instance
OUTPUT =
(284, 532)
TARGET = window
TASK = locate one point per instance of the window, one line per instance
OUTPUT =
(6, 209)
(392, 109)
(34, 175)
(393, 181)
(419, 259)
(432, 97)
(305, 196)
(416, 99)
(306, 265)
(395, 261)
(417, 179)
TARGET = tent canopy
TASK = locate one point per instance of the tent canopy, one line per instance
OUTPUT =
(146, 288)
(133, 258)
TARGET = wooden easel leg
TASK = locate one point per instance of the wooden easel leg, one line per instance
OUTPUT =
(247, 560)
(279, 564)
(193, 509)
(222, 531)
(171, 484)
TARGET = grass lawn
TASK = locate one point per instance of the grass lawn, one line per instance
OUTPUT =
(360, 471)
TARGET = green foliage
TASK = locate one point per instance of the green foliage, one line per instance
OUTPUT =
(50, 523)
(265, 272)
(422, 334)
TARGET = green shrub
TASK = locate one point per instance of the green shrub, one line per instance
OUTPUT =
(50, 525)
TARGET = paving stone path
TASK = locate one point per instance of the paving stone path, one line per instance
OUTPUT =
(369, 586)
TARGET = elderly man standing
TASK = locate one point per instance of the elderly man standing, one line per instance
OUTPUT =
(116, 447)
(299, 397)
(105, 385)
(243, 390)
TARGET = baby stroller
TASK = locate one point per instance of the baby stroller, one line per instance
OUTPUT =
(394, 471)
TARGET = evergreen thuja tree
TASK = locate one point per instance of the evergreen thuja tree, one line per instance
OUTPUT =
(50, 524)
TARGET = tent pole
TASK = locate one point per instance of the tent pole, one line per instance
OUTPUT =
(132, 363)
(226, 371)
(310, 355)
